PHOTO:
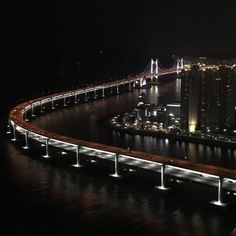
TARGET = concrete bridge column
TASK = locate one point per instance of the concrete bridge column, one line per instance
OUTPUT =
(130, 86)
(77, 98)
(26, 140)
(53, 105)
(116, 174)
(219, 202)
(103, 92)
(41, 107)
(94, 94)
(85, 96)
(64, 104)
(220, 184)
(162, 187)
(25, 116)
(78, 161)
(117, 89)
(46, 148)
(14, 132)
(32, 110)
(9, 127)
(75, 101)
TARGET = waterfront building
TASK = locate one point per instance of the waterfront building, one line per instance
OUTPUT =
(208, 100)
(172, 112)
(165, 117)
(190, 99)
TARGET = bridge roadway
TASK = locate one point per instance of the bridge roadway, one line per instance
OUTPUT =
(180, 169)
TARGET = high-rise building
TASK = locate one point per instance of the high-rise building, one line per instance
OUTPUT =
(208, 100)
(190, 99)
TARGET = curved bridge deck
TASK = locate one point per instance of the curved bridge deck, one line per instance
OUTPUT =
(181, 169)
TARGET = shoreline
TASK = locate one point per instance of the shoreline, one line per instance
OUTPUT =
(176, 137)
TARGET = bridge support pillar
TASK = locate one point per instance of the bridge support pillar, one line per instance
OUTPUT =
(85, 97)
(94, 94)
(116, 174)
(75, 101)
(117, 89)
(53, 105)
(130, 86)
(77, 155)
(64, 104)
(77, 98)
(41, 107)
(25, 116)
(162, 187)
(26, 140)
(14, 132)
(219, 202)
(103, 92)
(32, 110)
(46, 148)
(9, 127)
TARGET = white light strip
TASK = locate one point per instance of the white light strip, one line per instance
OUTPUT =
(230, 180)
(142, 160)
(98, 150)
(20, 129)
(27, 107)
(57, 97)
(173, 105)
(63, 142)
(193, 171)
(36, 103)
(68, 94)
(39, 135)
(46, 100)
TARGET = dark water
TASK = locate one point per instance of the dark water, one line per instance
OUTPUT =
(41, 197)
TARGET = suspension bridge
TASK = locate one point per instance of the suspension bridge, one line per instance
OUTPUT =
(155, 69)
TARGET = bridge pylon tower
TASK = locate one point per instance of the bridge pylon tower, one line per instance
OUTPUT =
(180, 65)
(154, 69)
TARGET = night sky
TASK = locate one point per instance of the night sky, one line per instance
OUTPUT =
(159, 27)
(36, 34)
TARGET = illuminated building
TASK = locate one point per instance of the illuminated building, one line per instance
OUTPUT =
(190, 99)
(208, 100)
